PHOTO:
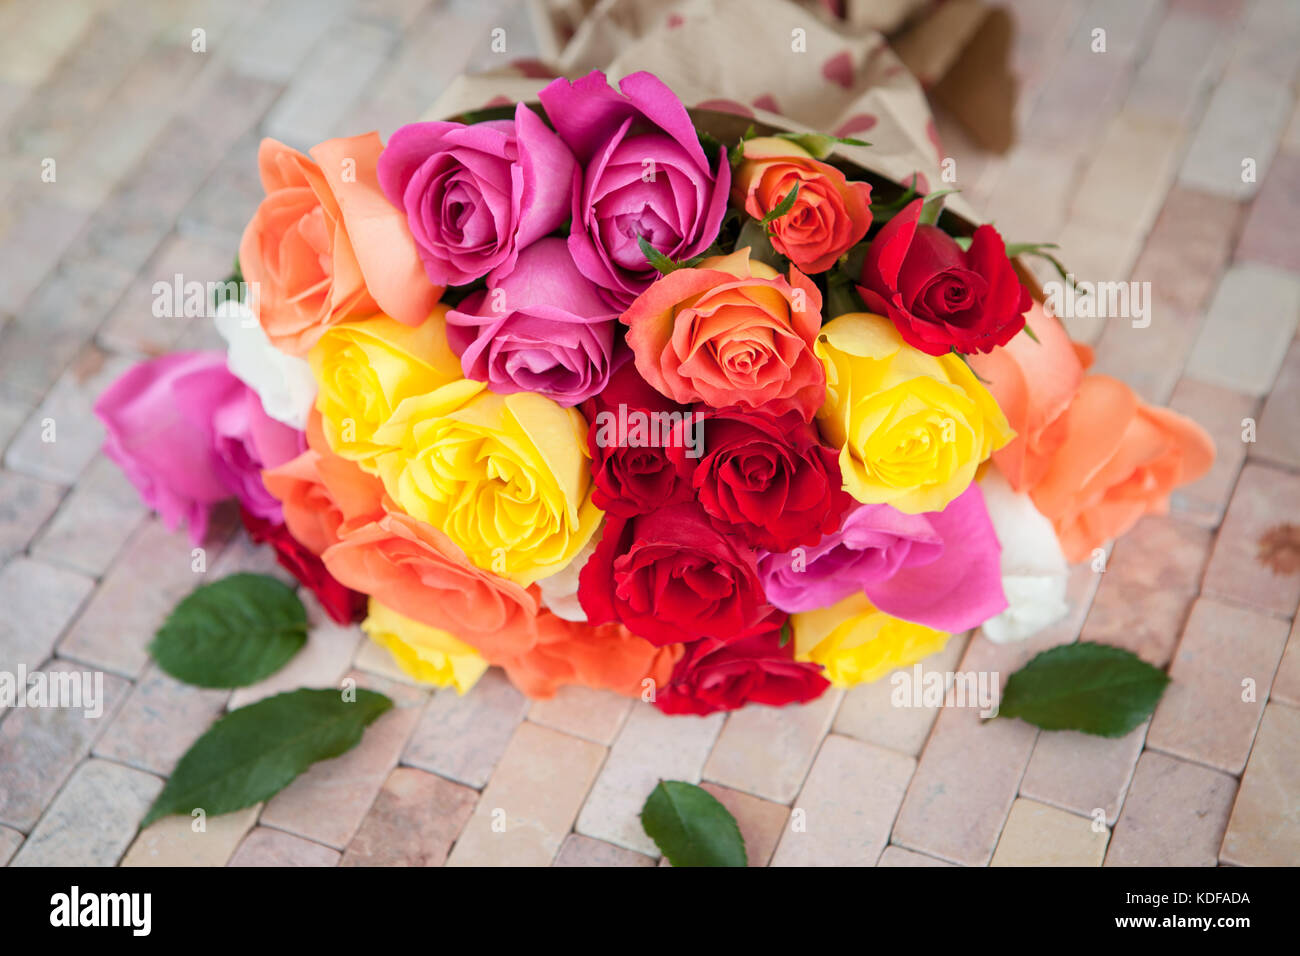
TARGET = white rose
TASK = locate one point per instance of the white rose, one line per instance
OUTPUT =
(284, 383)
(1034, 571)
(560, 590)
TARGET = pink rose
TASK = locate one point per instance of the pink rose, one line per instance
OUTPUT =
(188, 434)
(941, 569)
(476, 195)
(543, 328)
(642, 173)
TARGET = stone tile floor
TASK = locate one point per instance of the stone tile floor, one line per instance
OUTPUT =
(1173, 157)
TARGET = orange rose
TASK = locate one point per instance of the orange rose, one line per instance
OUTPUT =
(1119, 460)
(829, 215)
(341, 513)
(319, 490)
(608, 657)
(1093, 457)
(1033, 383)
(325, 245)
(414, 569)
(730, 332)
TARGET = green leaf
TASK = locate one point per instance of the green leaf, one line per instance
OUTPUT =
(254, 752)
(229, 284)
(966, 362)
(760, 245)
(781, 208)
(1030, 332)
(656, 258)
(841, 298)
(786, 633)
(737, 154)
(1094, 688)
(232, 632)
(1028, 248)
(933, 206)
(819, 145)
(884, 210)
(471, 117)
(1037, 249)
(691, 827)
(963, 242)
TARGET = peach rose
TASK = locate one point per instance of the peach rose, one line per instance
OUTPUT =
(730, 332)
(340, 512)
(1118, 460)
(325, 245)
(319, 490)
(829, 216)
(1091, 455)
(1033, 383)
(608, 657)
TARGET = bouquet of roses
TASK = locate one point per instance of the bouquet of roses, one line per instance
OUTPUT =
(578, 390)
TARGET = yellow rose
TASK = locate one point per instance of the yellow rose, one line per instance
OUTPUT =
(506, 477)
(912, 428)
(857, 643)
(367, 369)
(423, 652)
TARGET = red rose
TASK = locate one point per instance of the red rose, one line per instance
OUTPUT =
(631, 476)
(765, 477)
(671, 577)
(341, 603)
(713, 676)
(938, 296)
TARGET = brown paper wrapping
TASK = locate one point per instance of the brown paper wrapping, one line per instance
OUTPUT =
(957, 49)
(767, 59)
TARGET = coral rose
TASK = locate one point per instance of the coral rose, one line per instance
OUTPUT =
(829, 216)
(325, 245)
(730, 332)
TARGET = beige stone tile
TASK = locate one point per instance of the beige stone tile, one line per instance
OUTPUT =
(92, 820)
(651, 747)
(761, 822)
(1264, 829)
(868, 713)
(595, 715)
(1207, 713)
(1175, 815)
(267, 847)
(843, 813)
(414, 821)
(767, 751)
(529, 806)
(173, 841)
(1039, 835)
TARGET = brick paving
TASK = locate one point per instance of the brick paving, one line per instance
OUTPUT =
(1132, 159)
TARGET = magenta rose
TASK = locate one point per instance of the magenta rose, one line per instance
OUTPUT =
(642, 172)
(188, 435)
(247, 440)
(474, 196)
(543, 328)
(941, 569)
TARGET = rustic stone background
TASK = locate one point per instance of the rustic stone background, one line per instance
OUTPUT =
(1130, 159)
